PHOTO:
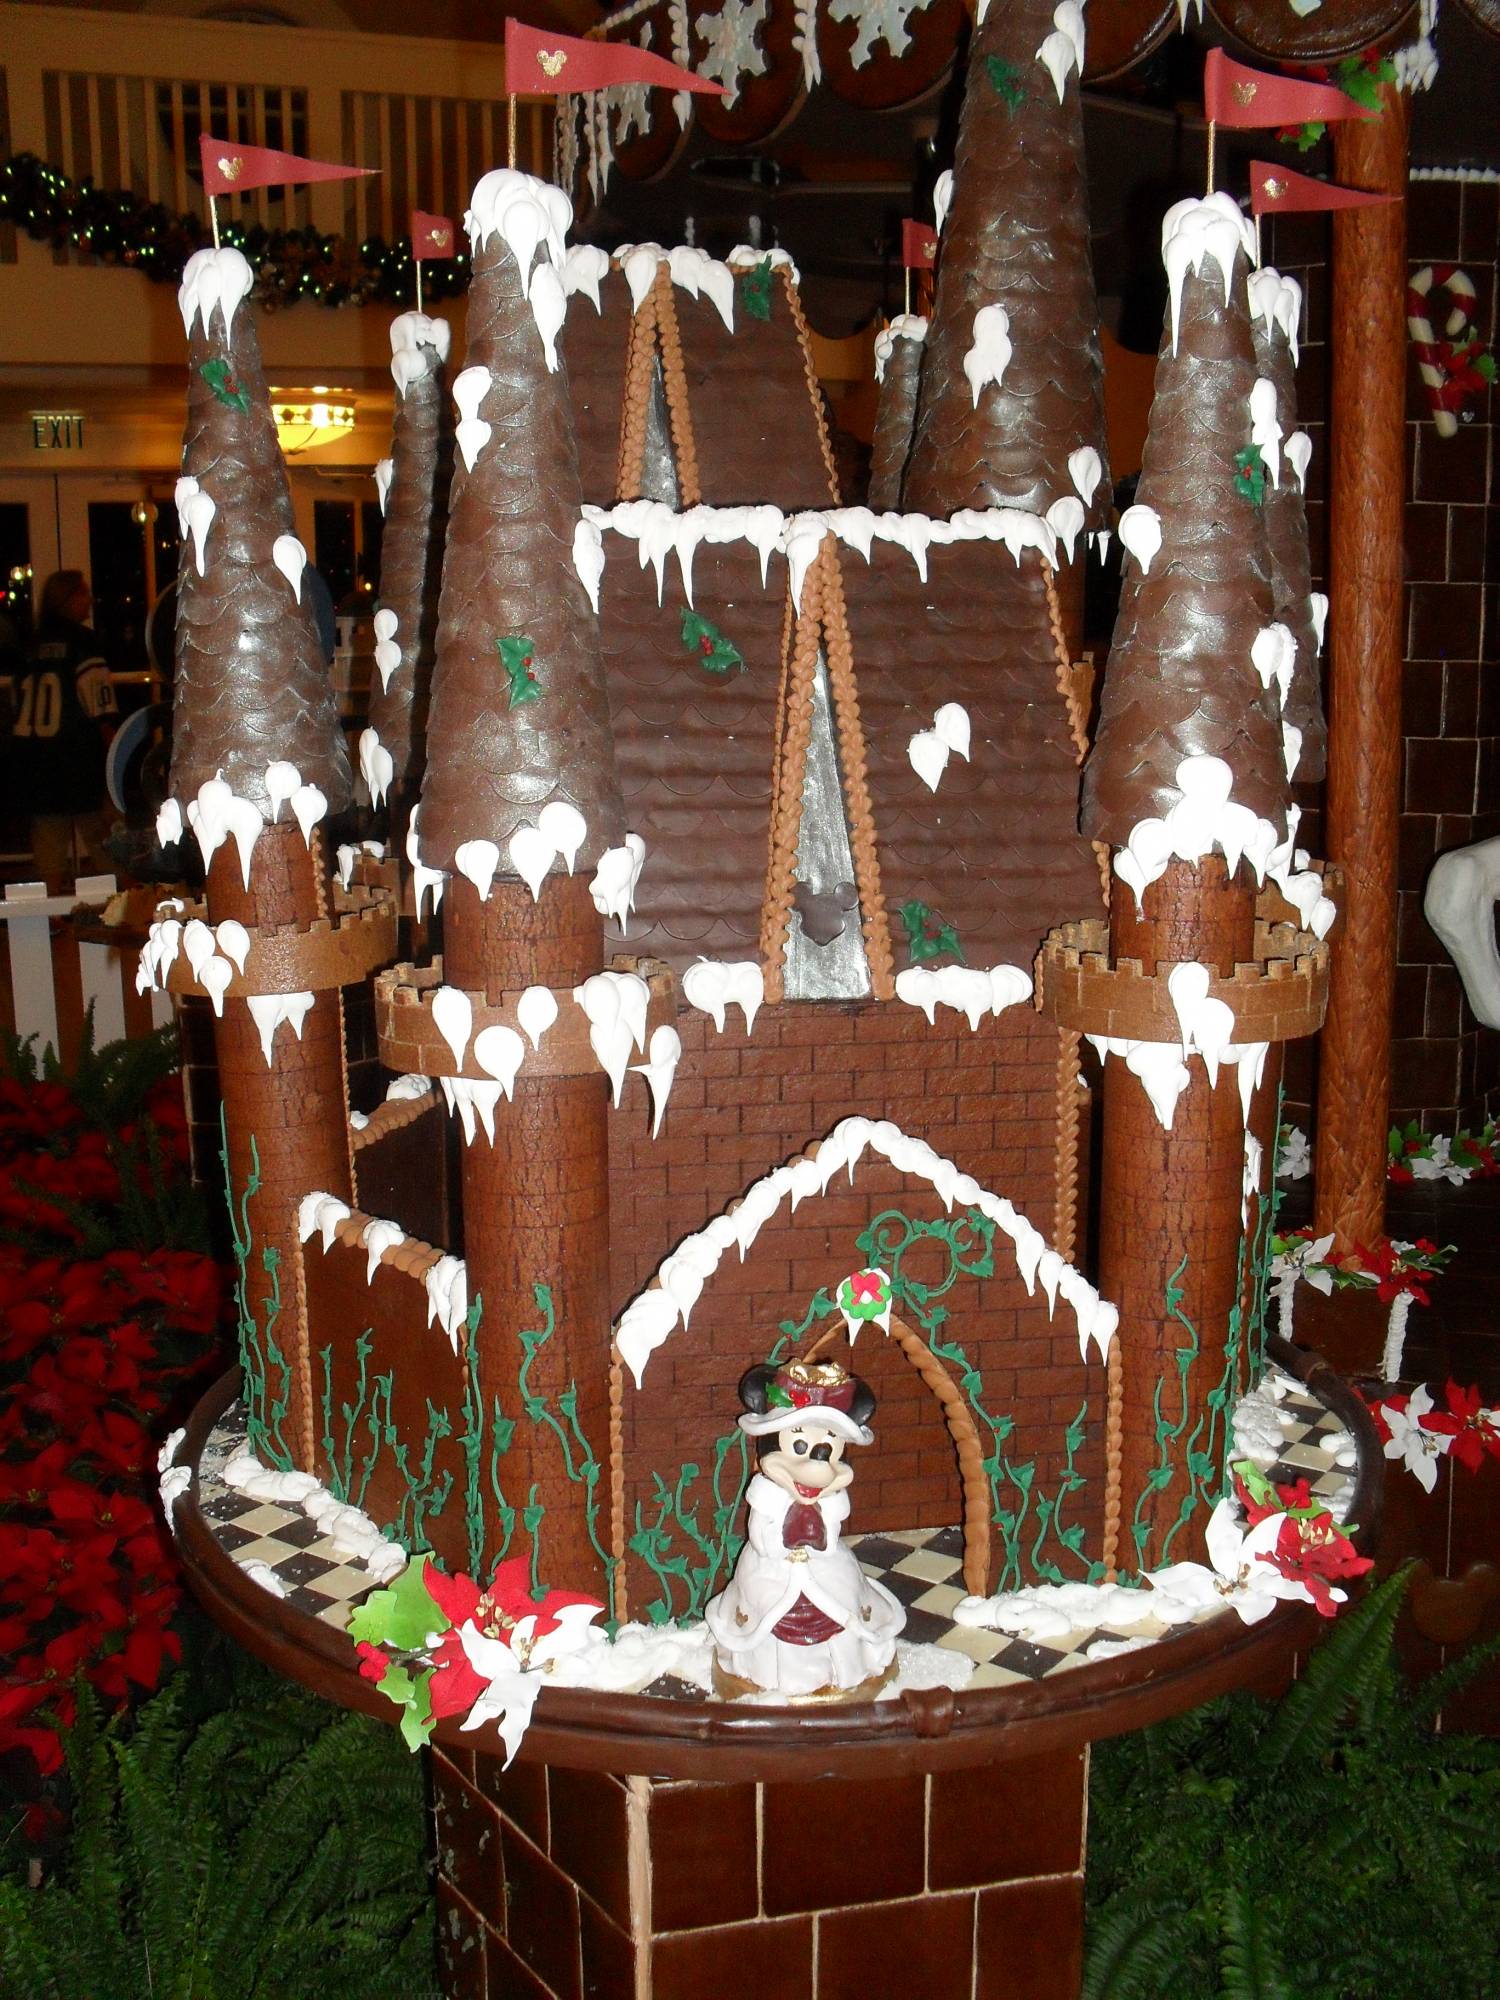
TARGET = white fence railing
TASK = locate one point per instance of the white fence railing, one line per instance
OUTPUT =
(55, 976)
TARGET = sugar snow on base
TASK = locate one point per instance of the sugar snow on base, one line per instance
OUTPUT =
(651, 1317)
(1208, 227)
(1205, 817)
(212, 278)
(1277, 301)
(353, 1535)
(905, 326)
(989, 354)
(411, 334)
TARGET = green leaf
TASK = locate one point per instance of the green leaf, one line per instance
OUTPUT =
(755, 289)
(220, 377)
(777, 1397)
(1484, 364)
(716, 653)
(929, 935)
(1250, 475)
(414, 1699)
(1006, 79)
(1309, 135)
(403, 1615)
(517, 652)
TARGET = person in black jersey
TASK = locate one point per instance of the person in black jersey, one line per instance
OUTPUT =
(62, 699)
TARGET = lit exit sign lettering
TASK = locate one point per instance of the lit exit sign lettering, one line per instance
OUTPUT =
(57, 430)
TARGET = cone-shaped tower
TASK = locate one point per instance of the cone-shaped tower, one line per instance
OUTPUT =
(898, 367)
(1275, 308)
(414, 496)
(1011, 406)
(1187, 783)
(258, 762)
(519, 803)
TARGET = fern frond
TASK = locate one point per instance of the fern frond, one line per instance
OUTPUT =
(1134, 1953)
(1250, 1967)
(1340, 1673)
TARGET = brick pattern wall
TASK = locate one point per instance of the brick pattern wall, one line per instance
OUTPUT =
(741, 1106)
(577, 1885)
(1446, 1068)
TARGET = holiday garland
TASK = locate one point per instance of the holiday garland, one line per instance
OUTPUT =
(116, 226)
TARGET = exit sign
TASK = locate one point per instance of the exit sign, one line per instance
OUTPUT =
(57, 430)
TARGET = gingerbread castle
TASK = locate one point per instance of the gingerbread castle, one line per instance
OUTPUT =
(739, 932)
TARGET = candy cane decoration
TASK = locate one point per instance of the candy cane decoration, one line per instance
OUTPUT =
(1447, 386)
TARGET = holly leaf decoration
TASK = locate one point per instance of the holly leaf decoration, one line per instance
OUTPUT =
(1250, 475)
(1484, 366)
(1006, 80)
(777, 1397)
(518, 657)
(1360, 77)
(929, 935)
(755, 289)
(402, 1616)
(221, 378)
(1305, 137)
(414, 1698)
(715, 653)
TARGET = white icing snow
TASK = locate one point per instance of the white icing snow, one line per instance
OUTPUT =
(989, 355)
(269, 1010)
(406, 1089)
(354, 1536)
(711, 985)
(1277, 301)
(651, 1317)
(471, 434)
(1204, 818)
(195, 513)
(411, 332)
(320, 1212)
(905, 326)
(1210, 226)
(212, 278)
(1140, 534)
(970, 990)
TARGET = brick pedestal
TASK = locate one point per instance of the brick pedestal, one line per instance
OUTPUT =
(579, 1885)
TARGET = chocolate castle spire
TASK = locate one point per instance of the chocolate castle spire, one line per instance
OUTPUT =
(898, 367)
(519, 717)
(414, 496)
(1275, 307)
(1011, 406)
(1197, 659)
(252, 686)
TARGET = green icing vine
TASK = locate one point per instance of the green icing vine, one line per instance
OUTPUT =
(424, 1495)
(1049, 1511)
(259, 1351)
(579, 1460)
(341, 1474)
(1168, 1434)
(718, 1550)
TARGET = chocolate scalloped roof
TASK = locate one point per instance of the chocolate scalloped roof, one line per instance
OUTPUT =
(508, 574)
(252, 684)
(1180, 682)
(895, 414)
(1016, 235)
(411, 561)
(1291, 563)
(995, 849)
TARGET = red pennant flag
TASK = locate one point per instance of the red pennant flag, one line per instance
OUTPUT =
(1275, 190)
(229, 168)
(432, 236)
(1235, 95)
(538, 65)
(919, 243)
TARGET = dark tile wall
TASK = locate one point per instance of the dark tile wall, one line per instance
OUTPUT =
(1446, 1068)
(569, 1885)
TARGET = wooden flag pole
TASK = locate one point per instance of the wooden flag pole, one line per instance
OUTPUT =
(1212, 135)
(418, 262)
(510, 129)
(213, 220)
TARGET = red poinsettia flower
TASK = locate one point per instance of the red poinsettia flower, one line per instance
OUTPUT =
(1316, 1554)
(1467, 1423)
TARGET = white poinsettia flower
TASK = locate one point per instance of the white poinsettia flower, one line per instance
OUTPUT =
(516, 1666)
(1419, 1450)
(1238, 1577)
(1438, 1165)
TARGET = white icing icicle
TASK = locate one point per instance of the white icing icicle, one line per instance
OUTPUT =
(473, 1100)
(1318, 604)
(588, 558)
(453, 1017)
(471, 434)
(322, 1212)
(378, 1236)
(1062, 50)
(384, 468)
(615, 879)
(212, 278)
(1277, 301)
(942, 196)
(536, 1011)
(282, 780)
(711, 986)
(566, 827)
(387, 648)
(531, 855)
(309, 806)
(1140, 533)
(1210, 226)
(585, 268)
(1205, 817)
(660, 1069)
(377, 766)
(549, 308)
(410, 333)
(1298, 450)
(967, 989)
(290, 558)
(195, 513)
(1065, 517)
(476, 861)
(169, 823)
(1274, 656)
(1265, 426)
(447, 1287)
(499, 1052)
(269, 1010)
(233, 941)
(989, 355)
(1085, 469)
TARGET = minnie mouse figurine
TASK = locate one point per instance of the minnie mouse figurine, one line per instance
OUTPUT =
(800, 1616)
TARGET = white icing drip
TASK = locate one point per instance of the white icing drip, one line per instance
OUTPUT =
(566, 827)
(214, 979)
(387, 648)
(471, 434)
(696, 272)
(1298, 450)
(1204, 818)
(1318, 605)
(536, 1011)
(614, 1004)
(233, 941)
(951, 723)
(1197, 228)
(1085, 469)
(470, 1096)
(476, 861)
(378, 1236)
(549, 308)
(453, 1017)
(384, 468)
(989, 355)
(942, 197)
(212, 278)
(169, 823)
(1277, 302)
(1204, 1023)
(282, 779)
(269, 1010)
(615, 879)
(711, 986)
(290, 558)
(928, 754)
(195, 513)
(1062, 50)
(585, 268)
(1274, 657)
(1265, 425)
(411, 332)
(1140, 534)
(527, 214)
(531, 855)
(1065, 517)
(659, 1070)
(308, 808)
(377, 766)
(321, 1212)
(344, 859)
(968, 990)
(198, 946)
(588, 558)
(447, 1287)
(1291, 747)
(499, 1052)
(905, 326)
(217, 814)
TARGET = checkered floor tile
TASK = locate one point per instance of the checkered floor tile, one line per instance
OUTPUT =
(1318, 1449)
(313, 1578)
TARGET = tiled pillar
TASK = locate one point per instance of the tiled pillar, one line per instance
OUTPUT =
(572, 1885)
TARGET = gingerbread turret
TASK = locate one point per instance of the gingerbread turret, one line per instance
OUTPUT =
(258, 765)
(520, 807)
(1011, 409)
(898, 368)
(414, 496)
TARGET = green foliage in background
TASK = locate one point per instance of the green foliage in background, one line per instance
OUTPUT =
(1332, 1847)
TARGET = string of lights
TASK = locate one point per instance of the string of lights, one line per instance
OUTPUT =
(292, 266)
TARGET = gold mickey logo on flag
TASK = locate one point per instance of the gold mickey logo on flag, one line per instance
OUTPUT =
(441, 238)
(231, 166)
(1244, 93)
(551, 60)
(929, 248)
(1274, 189)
